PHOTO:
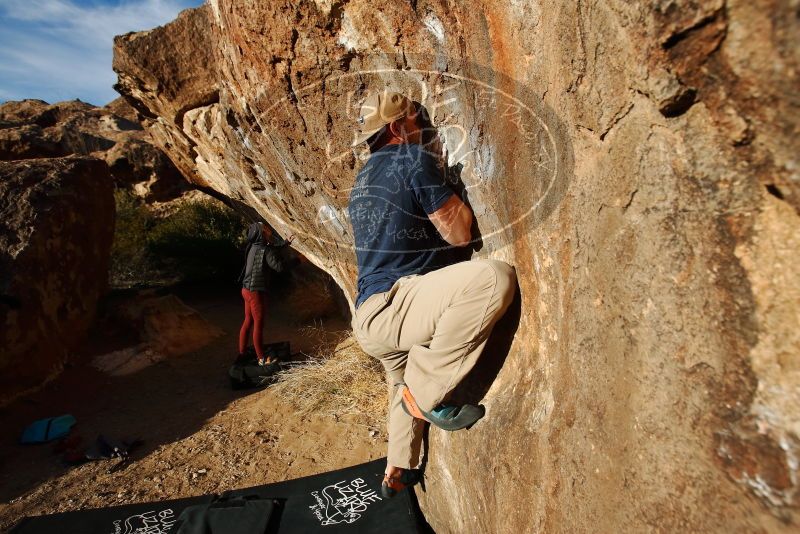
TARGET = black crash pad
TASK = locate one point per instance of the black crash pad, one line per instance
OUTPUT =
(343, 501)
(245, 372)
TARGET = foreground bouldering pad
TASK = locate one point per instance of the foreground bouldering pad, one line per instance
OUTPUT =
(343, 501)
(156, 518)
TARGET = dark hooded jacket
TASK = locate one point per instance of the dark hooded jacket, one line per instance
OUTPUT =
(260, 255)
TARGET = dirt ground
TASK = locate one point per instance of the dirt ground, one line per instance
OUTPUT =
(199, 436)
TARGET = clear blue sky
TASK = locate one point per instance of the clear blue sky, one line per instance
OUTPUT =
(58, 50)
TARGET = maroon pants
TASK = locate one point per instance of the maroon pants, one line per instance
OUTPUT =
(253, 316)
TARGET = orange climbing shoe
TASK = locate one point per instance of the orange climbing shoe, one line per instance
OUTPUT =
(392, 486)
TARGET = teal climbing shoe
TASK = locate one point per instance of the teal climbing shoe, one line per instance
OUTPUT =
(446, 417)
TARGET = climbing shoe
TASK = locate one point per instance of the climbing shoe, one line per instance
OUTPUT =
(444, 416)
(392, 486)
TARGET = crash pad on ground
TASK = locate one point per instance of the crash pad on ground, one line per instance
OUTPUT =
(343, 501)
(45, 430)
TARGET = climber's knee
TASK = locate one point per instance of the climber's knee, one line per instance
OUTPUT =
(505, 282)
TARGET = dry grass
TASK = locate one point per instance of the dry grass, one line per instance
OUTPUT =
(339, 380)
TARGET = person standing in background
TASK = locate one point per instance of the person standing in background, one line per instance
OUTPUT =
(263, 251)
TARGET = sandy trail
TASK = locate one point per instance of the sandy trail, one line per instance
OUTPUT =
(199, 436)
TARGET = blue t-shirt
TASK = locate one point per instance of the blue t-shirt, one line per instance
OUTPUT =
(389, 205)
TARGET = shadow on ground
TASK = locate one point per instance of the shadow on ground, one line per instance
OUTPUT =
(161, 404)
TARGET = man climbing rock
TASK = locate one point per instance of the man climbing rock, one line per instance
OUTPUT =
(425, 318)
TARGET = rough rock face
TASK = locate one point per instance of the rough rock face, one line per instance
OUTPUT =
(166, 327)
(636, 161)
(35, 129)
(56, 227)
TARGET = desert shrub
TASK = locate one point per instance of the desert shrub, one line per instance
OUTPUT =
(130, 259)
(198, 241)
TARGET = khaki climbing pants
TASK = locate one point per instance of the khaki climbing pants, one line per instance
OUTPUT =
(428, 331)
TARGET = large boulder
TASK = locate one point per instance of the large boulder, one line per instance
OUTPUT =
(637, 162)
(36, 129)
(56, 227)
(178, 75)
(165, 325)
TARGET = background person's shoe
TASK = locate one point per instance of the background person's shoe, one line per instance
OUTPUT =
(392, 486)
(443, 416)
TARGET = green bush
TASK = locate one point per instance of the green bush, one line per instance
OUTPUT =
(197, 242)
(131, 263)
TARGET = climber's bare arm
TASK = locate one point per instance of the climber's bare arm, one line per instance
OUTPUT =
(453, 221)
